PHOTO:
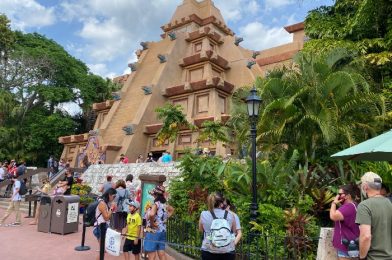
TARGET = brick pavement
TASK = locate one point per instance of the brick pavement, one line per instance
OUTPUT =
(25, 242)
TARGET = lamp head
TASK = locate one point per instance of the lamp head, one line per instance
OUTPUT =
(253, 102)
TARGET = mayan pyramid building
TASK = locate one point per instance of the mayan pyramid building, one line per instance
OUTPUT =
(198, 63)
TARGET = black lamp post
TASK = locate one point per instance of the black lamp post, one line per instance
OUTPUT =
(253, 102)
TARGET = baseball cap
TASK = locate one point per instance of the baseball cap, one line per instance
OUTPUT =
(371, 177)
(134, 203)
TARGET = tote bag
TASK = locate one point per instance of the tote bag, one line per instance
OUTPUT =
(113, 242)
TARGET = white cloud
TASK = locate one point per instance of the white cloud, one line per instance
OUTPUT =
(111, 29)
(71, 108)
(235, 10)
(27, 13)
(273, 4)
(257, 36)
(100, 69)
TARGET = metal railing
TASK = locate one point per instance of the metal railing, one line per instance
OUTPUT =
(185, 238)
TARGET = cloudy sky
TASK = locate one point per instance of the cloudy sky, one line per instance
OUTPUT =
(105, 33)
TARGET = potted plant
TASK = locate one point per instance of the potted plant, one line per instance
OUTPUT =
(83, 191)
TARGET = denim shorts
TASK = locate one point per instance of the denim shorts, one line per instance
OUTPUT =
(154, 241)
(97, 231)
(343, 254)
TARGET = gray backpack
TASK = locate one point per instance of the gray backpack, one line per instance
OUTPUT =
(221, 235)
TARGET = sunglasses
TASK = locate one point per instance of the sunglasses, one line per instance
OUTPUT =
(340, 194)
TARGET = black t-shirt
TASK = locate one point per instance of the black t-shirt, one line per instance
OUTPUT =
(69, 181)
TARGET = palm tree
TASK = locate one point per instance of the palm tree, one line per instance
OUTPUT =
(213, 131)
(174, 121)
(320, 101)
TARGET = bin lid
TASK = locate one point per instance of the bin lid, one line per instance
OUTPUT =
(66, 199)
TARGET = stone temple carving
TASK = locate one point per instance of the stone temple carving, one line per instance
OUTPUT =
(162, 58)
(128, 129)
(144, 45)
(237, 40)
(147, 90)
(250, 64)
(255, 54)
(116, 96)
(172, 36)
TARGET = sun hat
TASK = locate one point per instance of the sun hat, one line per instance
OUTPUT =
(371, 177)
(134, 203)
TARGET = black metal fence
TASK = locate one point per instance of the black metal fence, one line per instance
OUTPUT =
(185, 238)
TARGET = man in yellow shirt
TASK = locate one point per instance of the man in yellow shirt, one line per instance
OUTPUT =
(134, 222)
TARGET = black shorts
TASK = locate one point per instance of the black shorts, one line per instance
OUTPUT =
(129, 246)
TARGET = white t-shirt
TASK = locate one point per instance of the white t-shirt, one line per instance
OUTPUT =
(2, 173)
(16, 197)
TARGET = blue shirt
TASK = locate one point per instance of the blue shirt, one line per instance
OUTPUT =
(167, 158)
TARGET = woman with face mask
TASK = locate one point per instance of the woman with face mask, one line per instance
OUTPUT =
(345, 229)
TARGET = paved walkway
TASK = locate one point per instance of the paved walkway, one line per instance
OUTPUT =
(25, 242)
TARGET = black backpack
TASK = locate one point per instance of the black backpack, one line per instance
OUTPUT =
(23, 188)
(89, 214)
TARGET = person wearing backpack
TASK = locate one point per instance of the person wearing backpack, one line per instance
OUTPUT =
(103, 213)
(217, 226)
(119, 220)
(156, 218)
(14, 205)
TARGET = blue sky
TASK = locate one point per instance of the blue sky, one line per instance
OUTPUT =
(105, 33)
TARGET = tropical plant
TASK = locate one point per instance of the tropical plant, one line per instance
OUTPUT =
(213, 131)
(363, 27)
(200, 175)
(314, 106)
(174, 120)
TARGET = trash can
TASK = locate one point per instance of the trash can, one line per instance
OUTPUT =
(65, 214)
(45, 214)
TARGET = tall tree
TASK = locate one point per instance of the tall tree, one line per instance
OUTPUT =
(36, 75)
(361, 26)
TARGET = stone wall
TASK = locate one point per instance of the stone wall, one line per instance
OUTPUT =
(96, 174)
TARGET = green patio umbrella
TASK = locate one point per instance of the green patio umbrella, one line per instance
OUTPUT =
(378, 148)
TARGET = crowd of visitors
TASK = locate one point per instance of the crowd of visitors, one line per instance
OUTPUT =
(7, 170)
(166, 157)
(362, 230)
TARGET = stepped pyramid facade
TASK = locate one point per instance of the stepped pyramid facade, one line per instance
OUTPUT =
(197, 64)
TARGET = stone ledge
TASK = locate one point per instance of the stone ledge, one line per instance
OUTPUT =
(96, 174)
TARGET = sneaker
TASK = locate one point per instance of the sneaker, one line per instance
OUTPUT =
(15, 224)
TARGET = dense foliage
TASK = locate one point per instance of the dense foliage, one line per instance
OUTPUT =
(325, 102)
(37, 76)
(362, 26)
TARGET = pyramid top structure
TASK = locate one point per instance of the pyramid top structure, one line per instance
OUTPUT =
(200, 12)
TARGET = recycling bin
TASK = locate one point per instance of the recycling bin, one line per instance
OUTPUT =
(65, 214)
(45, 214)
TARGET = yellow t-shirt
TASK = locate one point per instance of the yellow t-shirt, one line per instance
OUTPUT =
(133, 222)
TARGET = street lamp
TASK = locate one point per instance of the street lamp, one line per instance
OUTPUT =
(253, 102)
